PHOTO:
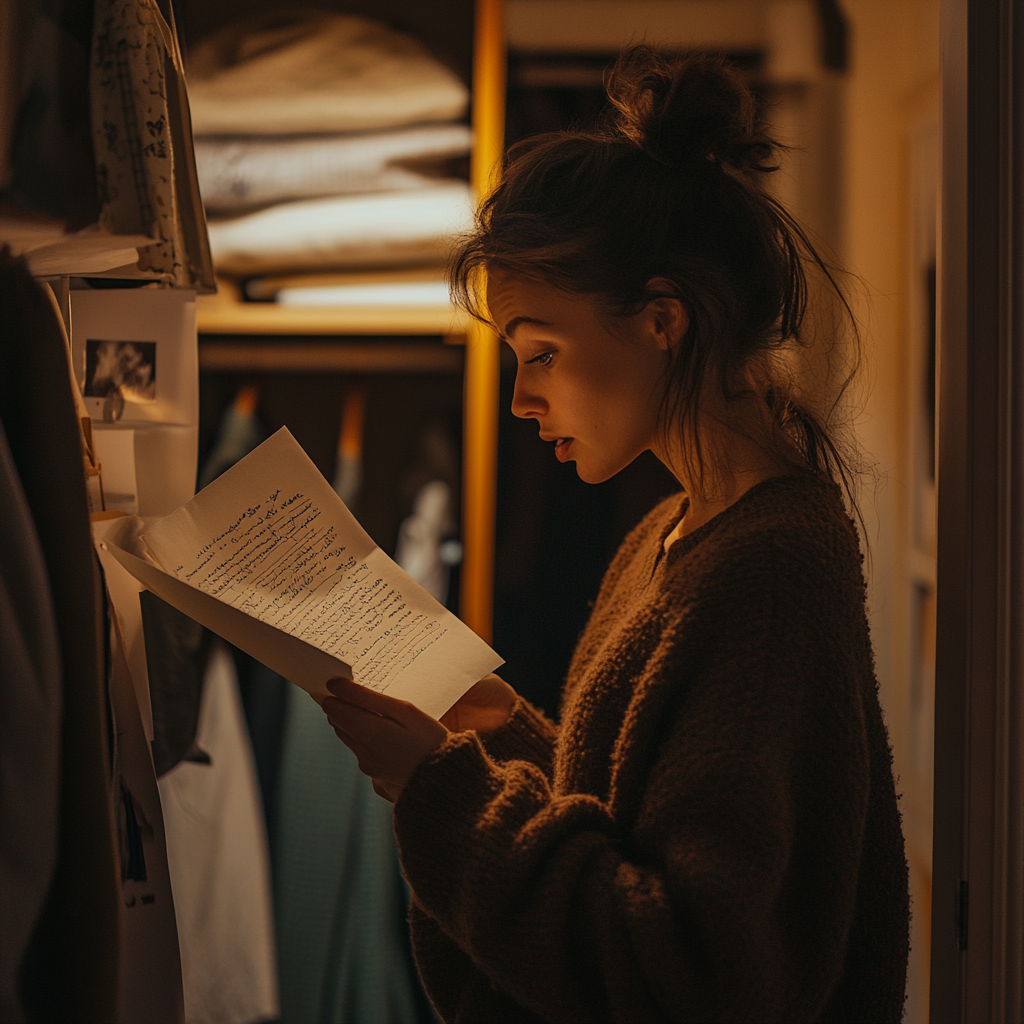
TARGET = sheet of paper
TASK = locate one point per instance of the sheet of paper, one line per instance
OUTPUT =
(123, 593)
(303, 664)
(269, 544)
(115, 452)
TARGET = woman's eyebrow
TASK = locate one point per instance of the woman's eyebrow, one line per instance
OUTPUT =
(511, 326)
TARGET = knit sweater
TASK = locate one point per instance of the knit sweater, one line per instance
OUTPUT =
(712, 834)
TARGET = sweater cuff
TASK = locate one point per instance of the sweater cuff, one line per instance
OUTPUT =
(528, 735)
(436, 813)
(456, 776)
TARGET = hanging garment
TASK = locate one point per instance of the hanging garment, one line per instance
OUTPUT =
(30, 728)
(265, 702)
(424, 550)
(427, 546)
(348, 468)
(286, 73)
(70, 971)
(49, 165)
(235, 173)
(217, 851)
(142, 139)
(177, 650)
(238, 433)
(339, 897)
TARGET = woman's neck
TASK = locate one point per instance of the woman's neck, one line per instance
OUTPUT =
(733, 462)
(700, 511)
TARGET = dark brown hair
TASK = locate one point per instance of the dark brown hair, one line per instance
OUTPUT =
(671, 186)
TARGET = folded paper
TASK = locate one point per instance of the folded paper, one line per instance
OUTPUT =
(269, 558)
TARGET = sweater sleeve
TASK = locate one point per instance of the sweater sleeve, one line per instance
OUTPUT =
(726, 892)
(527, 736)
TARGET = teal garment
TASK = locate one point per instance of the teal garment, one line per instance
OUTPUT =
(343, 948)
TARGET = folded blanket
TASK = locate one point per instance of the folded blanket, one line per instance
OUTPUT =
(235, 173)
(388, 229)
(286, 73)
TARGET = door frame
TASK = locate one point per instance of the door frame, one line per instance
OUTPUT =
(978, 880)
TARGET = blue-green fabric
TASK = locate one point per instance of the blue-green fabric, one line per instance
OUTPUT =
(340, 899)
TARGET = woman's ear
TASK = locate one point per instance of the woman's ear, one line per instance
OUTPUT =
(669, 318)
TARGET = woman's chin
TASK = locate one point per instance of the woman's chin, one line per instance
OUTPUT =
(597, 470)
(591, 474)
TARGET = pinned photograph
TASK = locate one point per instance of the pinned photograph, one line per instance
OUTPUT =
(121, 368)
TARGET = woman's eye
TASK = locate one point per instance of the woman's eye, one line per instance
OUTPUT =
(544, 359)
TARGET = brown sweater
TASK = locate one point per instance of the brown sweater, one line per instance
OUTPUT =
(713, 833)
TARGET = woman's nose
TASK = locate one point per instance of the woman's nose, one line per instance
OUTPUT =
(525, 403)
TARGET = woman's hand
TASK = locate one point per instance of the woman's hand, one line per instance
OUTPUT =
(484, 707)
(391, 738)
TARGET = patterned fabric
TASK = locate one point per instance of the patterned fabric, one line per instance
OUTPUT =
(145, 167)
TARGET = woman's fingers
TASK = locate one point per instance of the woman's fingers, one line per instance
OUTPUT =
(360, 729)
(370, 701)
(485, 706)
(389, 737)
(370, 763)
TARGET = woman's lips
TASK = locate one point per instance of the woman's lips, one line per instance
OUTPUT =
(562, 447)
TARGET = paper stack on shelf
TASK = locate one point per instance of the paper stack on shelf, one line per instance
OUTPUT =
(51, 252)
(326, 142)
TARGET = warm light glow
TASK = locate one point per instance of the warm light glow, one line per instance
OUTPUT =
(410, 293)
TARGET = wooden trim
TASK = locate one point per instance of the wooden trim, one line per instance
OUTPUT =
(480, 425)
(978, 893)
(267, 318)
(227, 313)
(328, 357)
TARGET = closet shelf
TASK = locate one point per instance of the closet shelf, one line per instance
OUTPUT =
(329, 356)
(226, 313)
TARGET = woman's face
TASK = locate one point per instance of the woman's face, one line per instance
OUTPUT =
(593, 383)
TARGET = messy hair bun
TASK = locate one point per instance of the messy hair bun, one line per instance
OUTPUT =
(668, 197)
(688, 112)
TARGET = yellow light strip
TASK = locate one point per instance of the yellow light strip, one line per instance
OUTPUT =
(480, 441)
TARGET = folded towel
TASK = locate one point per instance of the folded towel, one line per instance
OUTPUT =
(288, 73)
(387, 229)
(235, 172)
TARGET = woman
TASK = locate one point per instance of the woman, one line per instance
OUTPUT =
(712, 833)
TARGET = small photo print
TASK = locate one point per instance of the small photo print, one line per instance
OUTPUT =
(127, 368)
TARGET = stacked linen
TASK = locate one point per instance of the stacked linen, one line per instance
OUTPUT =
(386, 229)
(324, 142)
(239, 173)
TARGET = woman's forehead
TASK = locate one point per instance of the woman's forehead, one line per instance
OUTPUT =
(515, 297)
